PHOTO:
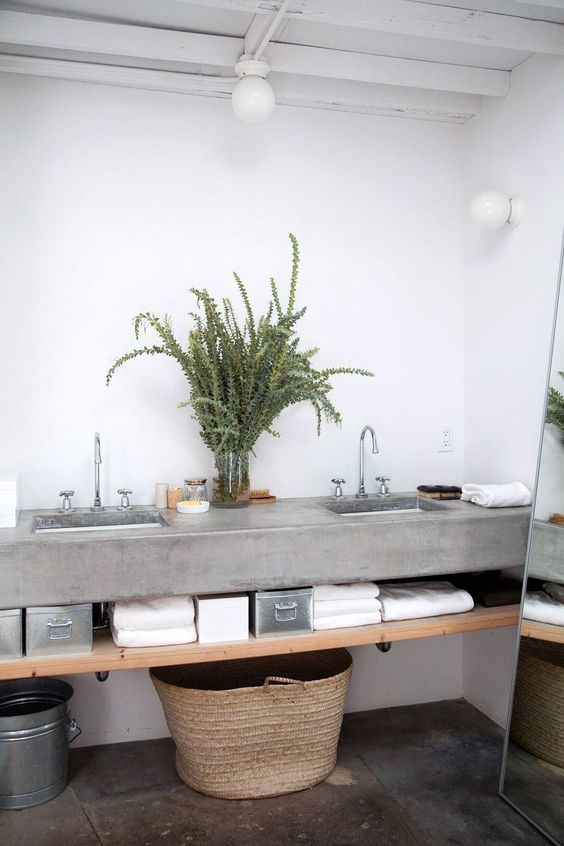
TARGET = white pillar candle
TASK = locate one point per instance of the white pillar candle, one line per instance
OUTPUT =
(161, 489)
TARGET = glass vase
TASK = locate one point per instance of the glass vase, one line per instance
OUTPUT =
(231, 483)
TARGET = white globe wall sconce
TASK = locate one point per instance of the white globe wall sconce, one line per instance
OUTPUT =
(494, 210)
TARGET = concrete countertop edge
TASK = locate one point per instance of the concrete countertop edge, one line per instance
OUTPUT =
(293, 543)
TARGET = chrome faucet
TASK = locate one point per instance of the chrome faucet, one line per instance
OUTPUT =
(361, 490)
(97, 461)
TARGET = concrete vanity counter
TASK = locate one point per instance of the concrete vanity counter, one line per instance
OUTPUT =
(547, 552)
(295, 542)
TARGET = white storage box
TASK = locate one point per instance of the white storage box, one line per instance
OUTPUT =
(9, 500)
(222, 617)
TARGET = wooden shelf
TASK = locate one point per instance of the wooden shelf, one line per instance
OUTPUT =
(106, 656)
(542, 631)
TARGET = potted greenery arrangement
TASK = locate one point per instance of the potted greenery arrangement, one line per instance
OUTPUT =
(241, 377)
(555, 408)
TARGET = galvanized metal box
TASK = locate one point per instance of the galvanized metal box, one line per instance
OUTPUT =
(281, 612)
(11, 633)
(58, 629)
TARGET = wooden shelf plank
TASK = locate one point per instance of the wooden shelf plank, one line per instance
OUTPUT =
(542, 631)
(106, 656)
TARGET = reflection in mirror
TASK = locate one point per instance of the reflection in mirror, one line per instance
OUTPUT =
(533, 777)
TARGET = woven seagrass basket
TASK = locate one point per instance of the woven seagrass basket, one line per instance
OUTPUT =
(256, 727)
(537, 722)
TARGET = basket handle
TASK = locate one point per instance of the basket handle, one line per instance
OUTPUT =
(280, 680)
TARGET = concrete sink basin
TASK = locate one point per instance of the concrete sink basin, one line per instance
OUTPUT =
(95, 521)
(377, 506)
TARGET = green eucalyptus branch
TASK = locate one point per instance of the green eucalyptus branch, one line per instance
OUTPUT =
(241, 376)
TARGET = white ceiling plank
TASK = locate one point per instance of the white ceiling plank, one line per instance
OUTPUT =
(427, 20)
(27, 31)
(339, 95)
(334, 37)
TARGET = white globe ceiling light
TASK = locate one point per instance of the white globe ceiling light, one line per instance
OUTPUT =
(493, 210)
(253, 98)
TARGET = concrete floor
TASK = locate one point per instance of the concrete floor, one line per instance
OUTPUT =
(536, 787)
(423, 774)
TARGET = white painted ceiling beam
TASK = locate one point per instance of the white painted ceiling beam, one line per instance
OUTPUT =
(426, 20)
(341, 95)
(28, 32)
(140, 42)
(386, 70)
(312, 92)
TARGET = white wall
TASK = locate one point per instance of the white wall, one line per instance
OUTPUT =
(115, 201)
(516, 145)
(129, 197)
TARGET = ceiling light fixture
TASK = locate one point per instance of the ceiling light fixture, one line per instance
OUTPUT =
(253, 98)
(493, 210)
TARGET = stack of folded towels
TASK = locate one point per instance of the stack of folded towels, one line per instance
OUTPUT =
(153, 622)
(411, 600)
(546, 605)
(364, 603)
(344, 606)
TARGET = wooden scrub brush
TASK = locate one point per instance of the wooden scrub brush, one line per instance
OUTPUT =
(262, 496)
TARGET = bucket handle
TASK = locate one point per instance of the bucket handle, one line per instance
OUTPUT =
(280, 680)
(73, 727)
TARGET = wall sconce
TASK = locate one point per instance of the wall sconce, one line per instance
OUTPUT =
(493, 210)
(253, 98)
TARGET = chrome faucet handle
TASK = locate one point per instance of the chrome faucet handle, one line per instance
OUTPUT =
(124, 493)
(339, 487)
(66, 505)
(384, 489)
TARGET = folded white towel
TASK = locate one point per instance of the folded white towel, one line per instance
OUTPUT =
(497, 496)
(168, 612)
(154, 637)
(554, 590)
(357, 590)
(346, 621)
(410, 600)
(543, 608)
(334, 607)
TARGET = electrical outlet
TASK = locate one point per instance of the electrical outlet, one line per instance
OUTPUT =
(446, 440)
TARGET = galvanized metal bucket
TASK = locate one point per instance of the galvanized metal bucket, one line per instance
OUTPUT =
(34, 741)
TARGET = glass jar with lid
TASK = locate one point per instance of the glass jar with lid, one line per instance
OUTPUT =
(195, 490)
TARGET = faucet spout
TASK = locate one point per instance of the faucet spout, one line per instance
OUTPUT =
(361, 489)
(97, 461)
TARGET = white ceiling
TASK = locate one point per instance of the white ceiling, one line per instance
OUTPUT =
(442, 41)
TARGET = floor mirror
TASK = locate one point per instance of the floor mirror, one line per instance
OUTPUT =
(532, 778)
